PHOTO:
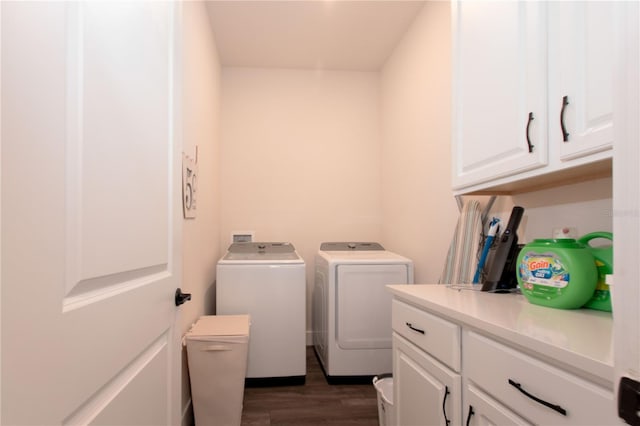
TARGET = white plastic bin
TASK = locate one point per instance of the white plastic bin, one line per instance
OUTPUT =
(217, 357)
(384, 386)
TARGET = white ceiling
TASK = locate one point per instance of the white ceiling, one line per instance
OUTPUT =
(318, 34)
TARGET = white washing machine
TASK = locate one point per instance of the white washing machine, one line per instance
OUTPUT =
(267, 281)
(352, 308)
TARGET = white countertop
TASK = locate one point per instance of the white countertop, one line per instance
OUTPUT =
(579, 339)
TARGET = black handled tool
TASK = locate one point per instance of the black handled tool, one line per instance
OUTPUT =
(499, 277)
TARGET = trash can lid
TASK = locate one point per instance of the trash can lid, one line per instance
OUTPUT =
(220, 325)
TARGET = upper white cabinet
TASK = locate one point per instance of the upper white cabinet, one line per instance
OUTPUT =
(581, 77)
(527, 76)
(499, 79)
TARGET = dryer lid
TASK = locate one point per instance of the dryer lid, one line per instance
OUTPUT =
(350, 246)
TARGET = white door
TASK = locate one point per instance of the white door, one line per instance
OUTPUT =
(90, 213)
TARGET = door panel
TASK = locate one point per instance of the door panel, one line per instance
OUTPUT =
(425, 392)
(581, 62)
(363, 319)
(90, 213)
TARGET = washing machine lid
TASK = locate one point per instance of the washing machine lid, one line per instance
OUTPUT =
(350, 246)
(261, 252)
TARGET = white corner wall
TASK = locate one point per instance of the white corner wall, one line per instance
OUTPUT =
(200, 120)
(586, 206)
(301, 158)
(419, 210)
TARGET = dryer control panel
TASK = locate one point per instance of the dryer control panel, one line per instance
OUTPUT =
(350, 246)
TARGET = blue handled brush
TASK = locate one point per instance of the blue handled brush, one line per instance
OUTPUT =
(493, 230)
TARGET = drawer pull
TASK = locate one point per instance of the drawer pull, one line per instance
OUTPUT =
(529, 144)
(565, 134)
(554, 407)
(444, 408)
(417, 330)
(471, 413)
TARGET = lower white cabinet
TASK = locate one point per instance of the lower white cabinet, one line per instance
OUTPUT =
(458, 360)
(426, 364)
(426, 391)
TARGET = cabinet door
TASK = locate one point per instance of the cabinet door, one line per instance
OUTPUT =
(581, 49)
(500, 67)
(482, 410)
(425, 392)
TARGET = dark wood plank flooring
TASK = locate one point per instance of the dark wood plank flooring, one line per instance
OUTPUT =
(314, 403)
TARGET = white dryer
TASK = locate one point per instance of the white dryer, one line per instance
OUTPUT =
(267, 281)
(351, 308)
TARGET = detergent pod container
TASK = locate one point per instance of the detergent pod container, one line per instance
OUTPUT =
(601, 299)
(558, 273)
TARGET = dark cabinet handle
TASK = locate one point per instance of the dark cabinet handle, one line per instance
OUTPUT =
(528, 138)
(417, 330)
(471, 413)
(629, 400)
(565, 134)
(444, 409)
(181, 297)
(554, 407)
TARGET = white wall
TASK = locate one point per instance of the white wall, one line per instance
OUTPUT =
(585, 206)
(301, 158)
(311, 156)
(420, 211)
(201, 85)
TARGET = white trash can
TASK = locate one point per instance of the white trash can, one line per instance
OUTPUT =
(384, 386)
(217, 356)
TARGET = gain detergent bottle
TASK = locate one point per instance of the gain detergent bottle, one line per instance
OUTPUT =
(601, 299)
(559, 273)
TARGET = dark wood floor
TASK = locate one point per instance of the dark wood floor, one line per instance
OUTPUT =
(314, 403)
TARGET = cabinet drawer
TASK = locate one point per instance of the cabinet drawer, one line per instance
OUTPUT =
(500, 370)
(439, 338)
(481, 409)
